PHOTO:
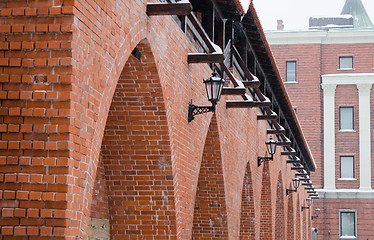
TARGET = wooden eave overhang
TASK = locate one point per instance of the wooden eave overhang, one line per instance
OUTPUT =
(260, 46)
(255, 38)
(232, 9)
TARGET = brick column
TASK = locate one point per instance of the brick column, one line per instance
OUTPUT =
(329, 134)
(365, 143)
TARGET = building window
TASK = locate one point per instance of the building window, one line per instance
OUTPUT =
(291, 71)
(347, 167)
(347, 224)
(346, 62)
(346, 118)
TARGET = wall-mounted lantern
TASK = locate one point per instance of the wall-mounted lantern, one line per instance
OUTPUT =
(296, 184)
(308, 202)
(213, 87)
(271, 146)
(317, 211)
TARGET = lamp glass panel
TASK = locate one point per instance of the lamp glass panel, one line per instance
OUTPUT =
(296, 182)
(214, 87)
(271, 146)
(317, 211)
(209, 91)
(216, 91)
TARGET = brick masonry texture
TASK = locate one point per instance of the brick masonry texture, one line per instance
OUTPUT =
(88, 132)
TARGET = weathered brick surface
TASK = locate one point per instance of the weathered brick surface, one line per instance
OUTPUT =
(290, 217)
(87, 131)
(279, 210)
(210, 215)
(247, 219)
(328, 224)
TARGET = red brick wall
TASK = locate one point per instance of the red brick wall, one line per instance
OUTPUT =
(308, 106)
(247, 219)
(266, 230)
(290, 217)
(328, 222)
(67, 84)
(279, 210)
(362, 57)
(314, 60)
(210, 215)
(99, 205)
(136, 154)
(347, 143)
(298, 226)
(36, 149)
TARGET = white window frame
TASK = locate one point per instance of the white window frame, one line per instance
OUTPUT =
(340, 223)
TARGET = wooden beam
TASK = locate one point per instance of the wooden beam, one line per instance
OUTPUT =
(200, 30)
(288, 143)
(179, 8)
(276, 131)
(251, 84)
(292, 153)
(273, 116)
(233, 91)
(307, 184)
(301, 174)
(205, 57)
(293, 161)
(247, 104)
(297, 168)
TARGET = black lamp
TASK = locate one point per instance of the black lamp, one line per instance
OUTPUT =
(271, 146)
(213, 87)
(296, 184)
(308, 202)
(317, 211)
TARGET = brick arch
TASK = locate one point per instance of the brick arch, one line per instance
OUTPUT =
(247, 219)
(210, 216)
(290, 217)
(100, 97)
(279, 210)
(266, 218)
(298, 211)
(136, 155)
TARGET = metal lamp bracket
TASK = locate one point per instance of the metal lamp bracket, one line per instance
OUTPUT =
(195, 110)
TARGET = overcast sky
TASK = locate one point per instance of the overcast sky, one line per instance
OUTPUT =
(295, 13)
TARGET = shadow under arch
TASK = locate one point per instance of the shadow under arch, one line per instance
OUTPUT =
(279, 210)
(136, 157)
(210, 215)
(266, 218)
(247, 217)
